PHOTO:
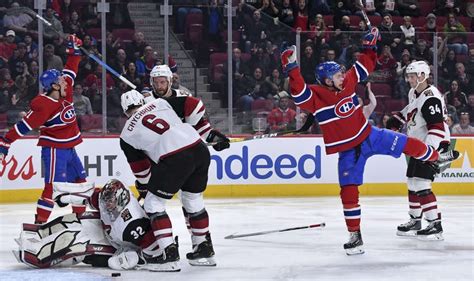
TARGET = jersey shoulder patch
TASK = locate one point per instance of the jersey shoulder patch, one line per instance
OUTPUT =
(428, 92)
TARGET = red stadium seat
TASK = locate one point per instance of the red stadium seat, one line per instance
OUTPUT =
(194, 34)
(441, 21)
(94, 32)
(381, 89)
(215, 59)
(355, 20)
(328, 20)
(125, 34)
(397, 20)
(218, 73)
(418, 21)
(426, 7)
(375, 20)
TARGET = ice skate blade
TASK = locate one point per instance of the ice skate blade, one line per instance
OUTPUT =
(355, 251)
(410, 233)
(432, 237)
(165, 267)
(203, 262)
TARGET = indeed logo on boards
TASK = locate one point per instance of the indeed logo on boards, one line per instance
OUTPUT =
(262, 166)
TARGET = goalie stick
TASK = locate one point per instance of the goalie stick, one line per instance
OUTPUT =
(309, 122)
(26, 10)
(233, 236)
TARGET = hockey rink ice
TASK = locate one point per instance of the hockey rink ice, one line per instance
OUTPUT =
(311, 254)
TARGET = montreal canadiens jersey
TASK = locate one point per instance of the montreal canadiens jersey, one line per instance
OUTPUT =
(56, 119)
(128, 227)
(339, 113)
(425, 116)
(158, 131)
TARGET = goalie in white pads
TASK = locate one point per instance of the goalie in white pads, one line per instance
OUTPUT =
(425, 117)
(167, 156)
(116, 236)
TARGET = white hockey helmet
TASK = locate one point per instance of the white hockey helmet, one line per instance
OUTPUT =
(419, 67)
(162, 70)
(131, 98)
(114, 196)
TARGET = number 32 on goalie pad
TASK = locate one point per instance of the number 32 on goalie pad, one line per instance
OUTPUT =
(67, 238)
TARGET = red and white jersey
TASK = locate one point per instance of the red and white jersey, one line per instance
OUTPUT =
(157, 130)
(56, 119)
(425, 115)
(339, 113)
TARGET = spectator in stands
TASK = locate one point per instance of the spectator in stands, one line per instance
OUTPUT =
(63, 9)
(408, 7)
(31, 47)
(89, 43)
(15, 110)
(386, 65)
(318, 30)
(89, 15)
(177, 85)
(120, 62)
(455, 92)
(214, 23)
(282, 118)
(259, 90)
(261, 59)
(449, 66)
(286, 13)
(456, 35)
(18, 22)
(464, 127)
(470, 106)
(470, 63)
(466, 81)
(132, 75)
(277, 82)
(445, 7)
(119, 17)
(137, 47)
(401, 86)
(52, 61)
(422, 52)
(308, 64)
(4, 100)
(342, 8)
(369, 7)
(114, 108)
(93, 82)
(19, 61)
(301, 18)
(50, 32)
(33, 71)
(390, 34)
(449, 120)
(82, 104)
(269, 7)
(387, 7)
(21, 91)
(60, 48)
(430, 24)
(256, 33)
(7, 45)
(319, 7)
(408, 36)
(74, 25)
(112, 44)
(384, 119)
(181, 17)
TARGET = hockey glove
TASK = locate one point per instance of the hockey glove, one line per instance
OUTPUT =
(4, 146)
(370, 39)
(288, 57)
(395, 122)
(63, 196)
(222, 142)
(73, 46)
(142, 189)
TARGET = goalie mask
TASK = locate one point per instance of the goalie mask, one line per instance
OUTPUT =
(114, 196)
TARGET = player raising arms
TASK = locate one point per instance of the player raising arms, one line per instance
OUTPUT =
(345, 129)
(53, 113)
(167, 155)
(424, 116)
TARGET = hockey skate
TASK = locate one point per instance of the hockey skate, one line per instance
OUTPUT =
(433, 232)
(445, 159)
(202, 254)
(166, 262)
(354, 246)
(410, 228)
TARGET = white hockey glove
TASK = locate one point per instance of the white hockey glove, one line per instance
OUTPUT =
(65, 193)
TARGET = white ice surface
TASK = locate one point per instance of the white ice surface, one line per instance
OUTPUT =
(313, 254)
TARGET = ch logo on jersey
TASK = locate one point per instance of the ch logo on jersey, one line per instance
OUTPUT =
(68, 115)
(345, 107)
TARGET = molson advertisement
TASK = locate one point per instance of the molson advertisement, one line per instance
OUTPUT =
(267, 167)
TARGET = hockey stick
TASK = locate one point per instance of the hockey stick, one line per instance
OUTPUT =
(60, 33)
(364, 14)
(309, 122)
(233, 236)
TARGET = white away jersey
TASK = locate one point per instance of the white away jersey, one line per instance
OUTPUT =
(425, 115)
(156, 129)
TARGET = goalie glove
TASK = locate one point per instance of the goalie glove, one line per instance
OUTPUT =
(65, 193)
(288, 57)
(222, 142)
(395, 122)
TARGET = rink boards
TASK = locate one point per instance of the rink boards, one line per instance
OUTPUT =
(292, 166)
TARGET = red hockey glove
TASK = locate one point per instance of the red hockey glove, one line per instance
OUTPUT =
(73, 45)
(395, 122)
(370, 39)
(4, 146)
(288, 57)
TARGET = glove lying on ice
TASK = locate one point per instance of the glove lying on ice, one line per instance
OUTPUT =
(222, 142)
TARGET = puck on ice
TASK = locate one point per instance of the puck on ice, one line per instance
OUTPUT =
(115, 274)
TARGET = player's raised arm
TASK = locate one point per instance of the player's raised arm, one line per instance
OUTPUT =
(72, 64)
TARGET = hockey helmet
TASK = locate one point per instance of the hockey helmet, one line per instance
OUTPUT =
(419, 67)
(131, 98)
(161, 71)
(49, 77)
(327, 70)
(114, 196)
